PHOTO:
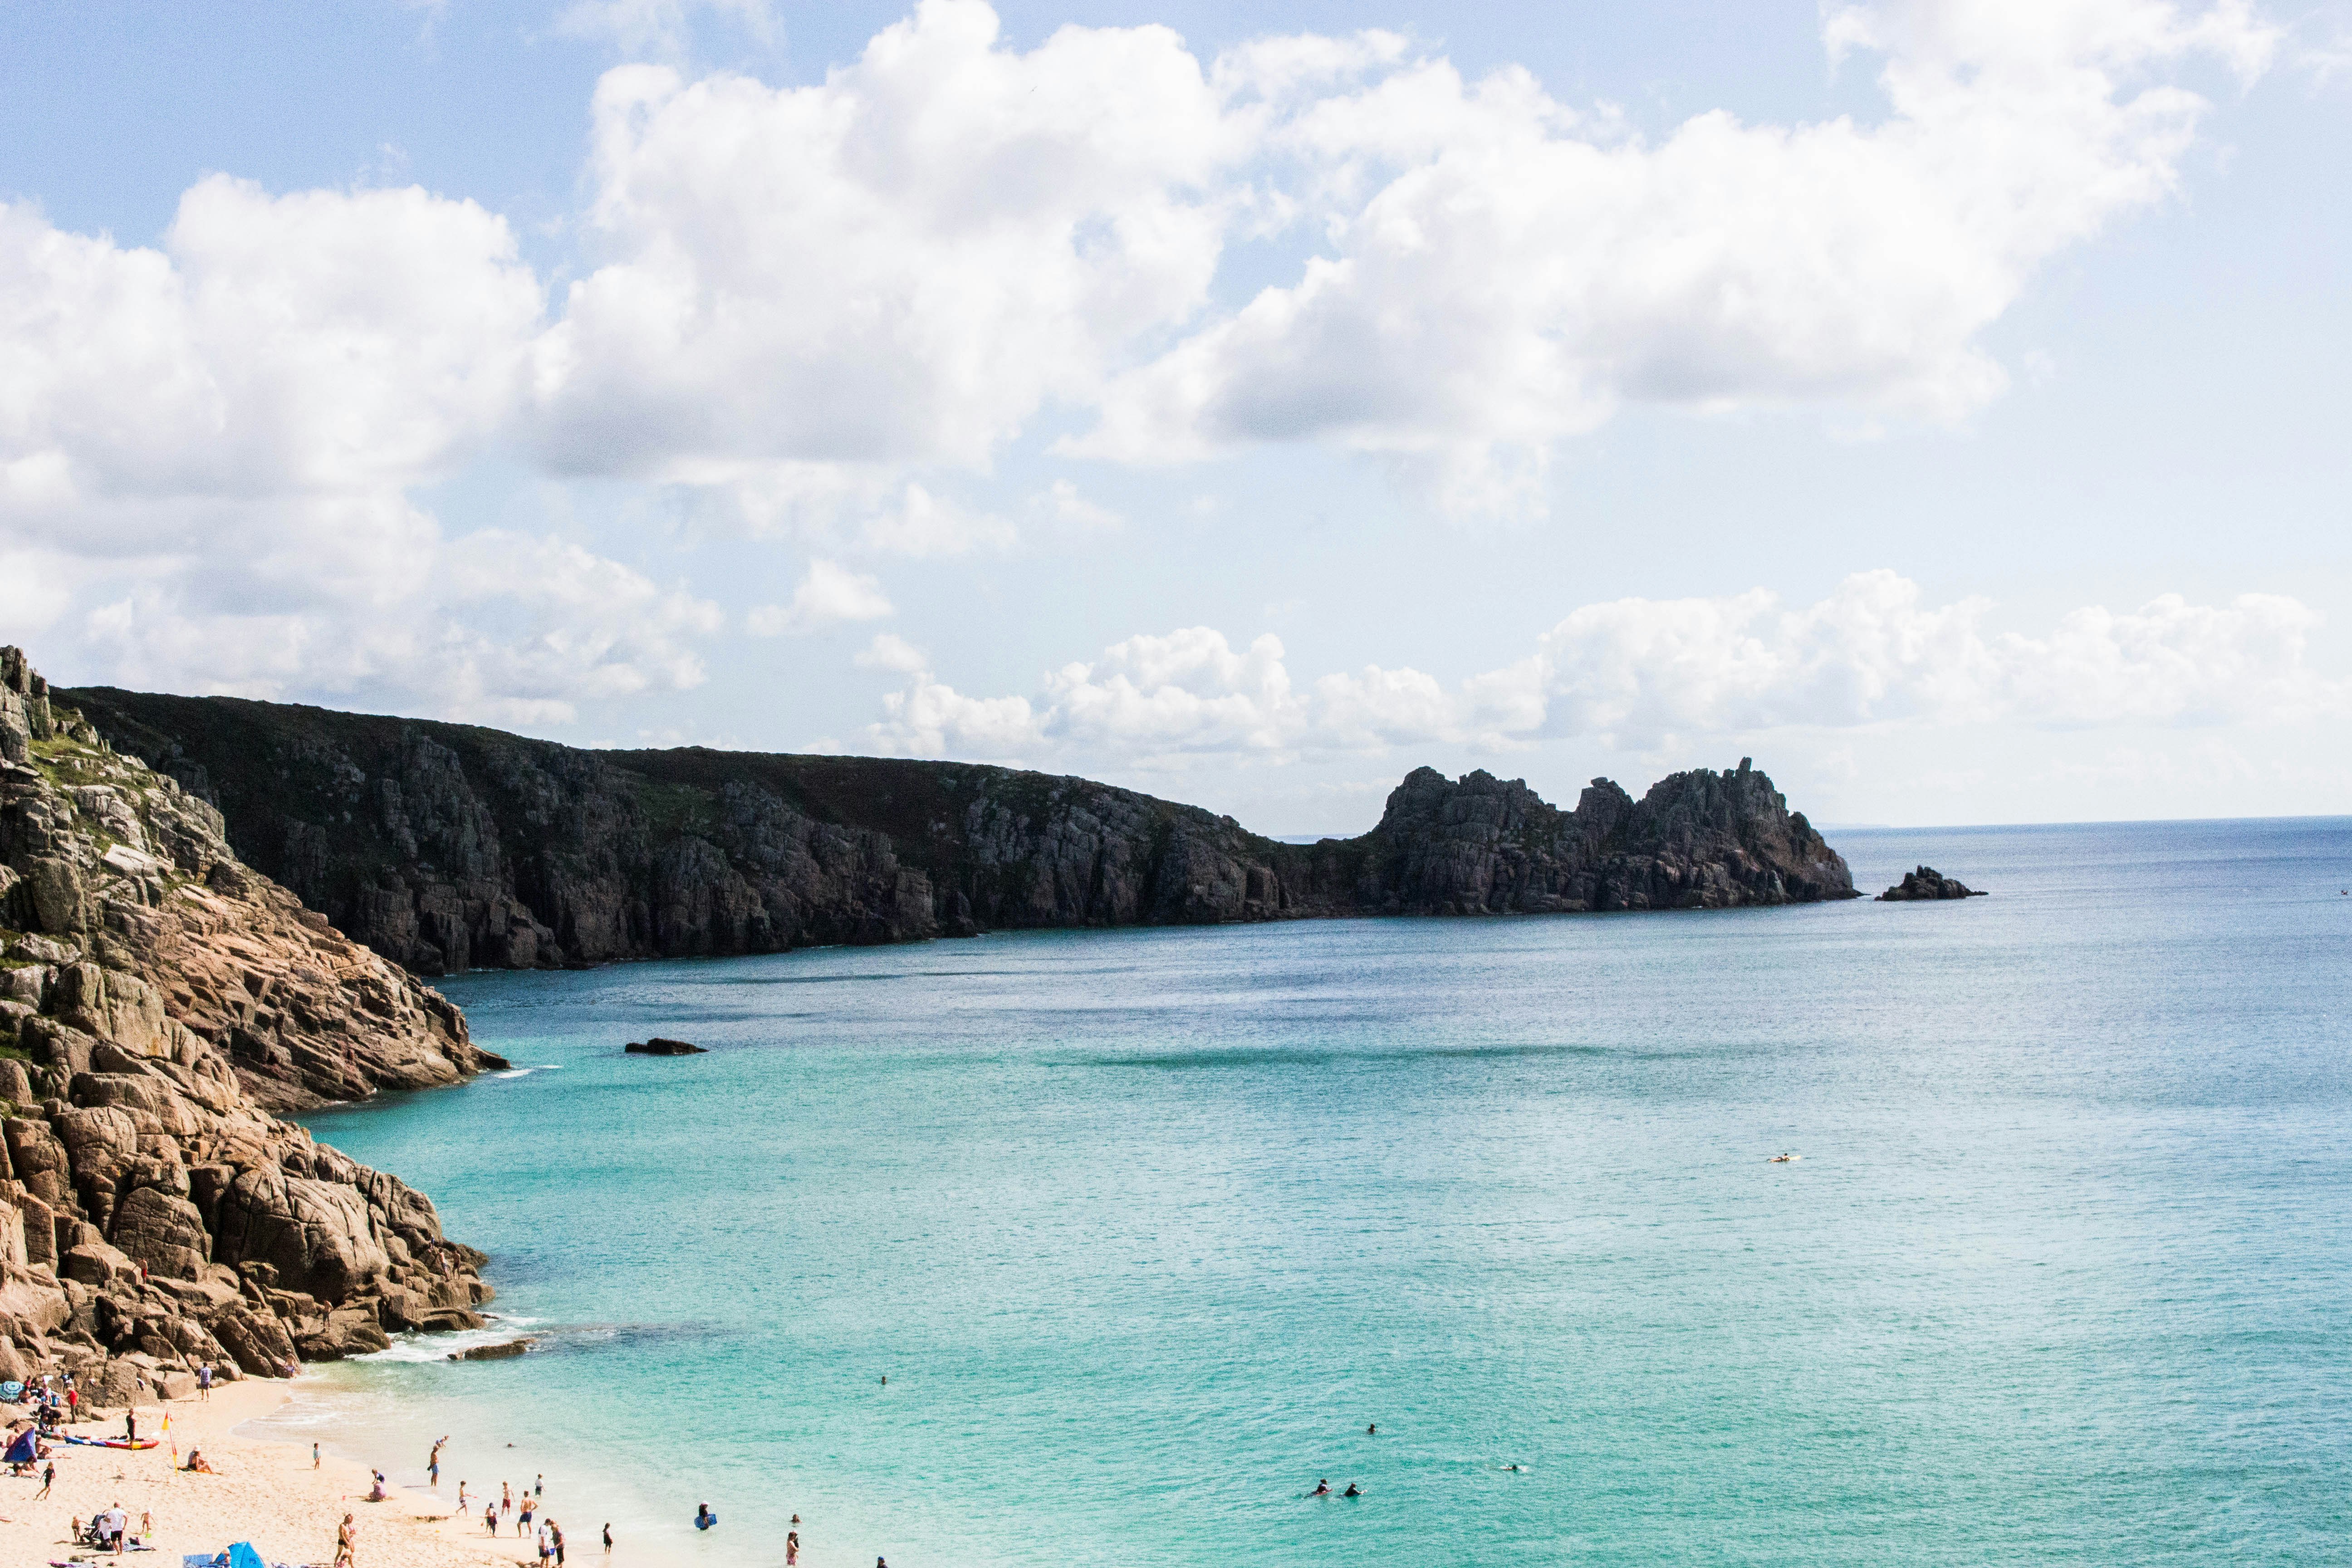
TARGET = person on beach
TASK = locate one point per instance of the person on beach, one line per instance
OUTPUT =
(792, 1548)
(346, 1543)
(146, 1525)
(314, 1456)
(205, 1381)
(522, 1525)
(433, 1462)
(461, 1497)
(129, 1426)
(608, 1537)
(491, 1517)
(555, 1540)
(506, 1497)
(538, 1486)
(48, 1479)
(376, 1492)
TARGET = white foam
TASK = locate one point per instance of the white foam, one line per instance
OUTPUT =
(414, 1347)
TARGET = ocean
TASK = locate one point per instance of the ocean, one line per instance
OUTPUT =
(1145, 1228)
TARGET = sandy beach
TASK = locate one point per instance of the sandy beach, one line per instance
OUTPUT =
(264, 1493)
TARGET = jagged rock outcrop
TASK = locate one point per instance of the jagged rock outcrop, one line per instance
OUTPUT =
(159, 1001)
(447, 847)
(1928, 883)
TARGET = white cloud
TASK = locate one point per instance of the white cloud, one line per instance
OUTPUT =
(894, 653)
(1504, 271)
(1648, 674)
(495, 628)
(211, 448)
(898, 265)
(827, 596)
(1062, 502)
(659, 28)
(817, 309)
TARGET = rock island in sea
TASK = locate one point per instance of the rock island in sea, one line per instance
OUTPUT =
(159, 1004)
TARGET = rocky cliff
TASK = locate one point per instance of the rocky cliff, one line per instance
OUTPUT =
(446, 847)
(159, 1000)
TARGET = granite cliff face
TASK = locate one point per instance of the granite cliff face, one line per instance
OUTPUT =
(447, 847)
(158, 1002)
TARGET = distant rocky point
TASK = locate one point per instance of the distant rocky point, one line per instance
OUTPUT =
(658, 1046)
(1928, 883)
(446, 847)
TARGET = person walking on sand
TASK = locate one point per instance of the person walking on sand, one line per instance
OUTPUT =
(48, 1479)
(314, 1456)
(346, 1543)
(489, 1516)
(205, 1381)
(522, 1525)
(608, 1537)
(461, 1496)
(555, 1539)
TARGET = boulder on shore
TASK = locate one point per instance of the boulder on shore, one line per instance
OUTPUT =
(658, 1047)
(1928, 883)
(502, 1351)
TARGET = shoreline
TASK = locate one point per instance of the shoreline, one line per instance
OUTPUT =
(265, 1490)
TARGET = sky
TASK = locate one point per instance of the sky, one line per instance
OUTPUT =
(1942, 404)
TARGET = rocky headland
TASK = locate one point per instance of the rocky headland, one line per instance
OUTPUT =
(447, 846)
(161, 1002)
(1927, 884)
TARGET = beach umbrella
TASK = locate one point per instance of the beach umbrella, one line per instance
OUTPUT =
(243, 1555)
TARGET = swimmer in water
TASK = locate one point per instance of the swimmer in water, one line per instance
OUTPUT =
(1371, 1427)
(1510, 1466)
(1351, 1490)
(1322, 1488)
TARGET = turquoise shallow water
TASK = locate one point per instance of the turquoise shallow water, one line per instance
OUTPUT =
(1143, 1227)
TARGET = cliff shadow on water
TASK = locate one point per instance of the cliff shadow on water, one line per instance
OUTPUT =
(449, 846)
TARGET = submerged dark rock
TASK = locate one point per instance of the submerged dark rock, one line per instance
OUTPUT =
(446, 847)
(658, 1047)
(1926, 884)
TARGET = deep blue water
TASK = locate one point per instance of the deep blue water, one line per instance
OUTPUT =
(1143, 1227)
